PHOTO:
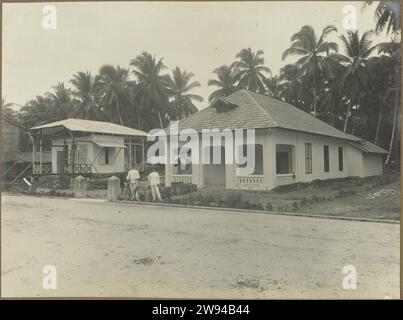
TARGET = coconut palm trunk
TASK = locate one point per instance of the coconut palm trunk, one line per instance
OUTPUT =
(392, 136)
(314, 99)
(138, 119)
(378, 127)
(347, 116)
(119, 114)
(160, 119)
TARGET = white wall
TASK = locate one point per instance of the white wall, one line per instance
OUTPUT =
(298, 140)
(373, 164)
(116, 157)
(355, 162)
(95, 153)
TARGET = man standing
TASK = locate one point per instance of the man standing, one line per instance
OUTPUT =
(132, 178)
(154, 179)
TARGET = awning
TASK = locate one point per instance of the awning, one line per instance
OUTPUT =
(368, 147)
(109, 144)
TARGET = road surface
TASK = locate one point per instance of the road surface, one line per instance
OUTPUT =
(103, 249)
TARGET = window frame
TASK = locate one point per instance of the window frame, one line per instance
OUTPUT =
(308, 158)
(326, 158)
(258, 171)
(341, 158)
(290, 151)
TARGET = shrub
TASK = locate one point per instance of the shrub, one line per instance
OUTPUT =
(269, 206)
(303, 202)
(233, 199)
(315, 199)
(245, 204)
(259, 206)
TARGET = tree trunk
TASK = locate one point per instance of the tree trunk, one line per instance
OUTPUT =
(160, 119)
(119, 114)
(314, 97)
(379, 123)
(392, 136)
(347, 116)
(138, 119)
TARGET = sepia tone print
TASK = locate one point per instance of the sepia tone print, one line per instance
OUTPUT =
(201, 149)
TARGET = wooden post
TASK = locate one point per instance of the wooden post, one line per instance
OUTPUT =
(66, 153)
(73, 153)
(143, 160)
(40, 151)
(130, 153)
(33, 154)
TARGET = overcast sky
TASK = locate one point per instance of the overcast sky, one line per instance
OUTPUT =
(197, 37)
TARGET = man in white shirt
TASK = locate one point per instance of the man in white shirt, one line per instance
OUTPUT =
(133, 177)
(154, 179)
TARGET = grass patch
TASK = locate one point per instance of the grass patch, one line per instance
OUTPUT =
(345, 197)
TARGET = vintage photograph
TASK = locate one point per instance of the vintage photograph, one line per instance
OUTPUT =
(210, 149)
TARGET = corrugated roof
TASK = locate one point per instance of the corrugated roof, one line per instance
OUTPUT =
(256, 111)
(93, 126)
(12, 121)
(368, 147)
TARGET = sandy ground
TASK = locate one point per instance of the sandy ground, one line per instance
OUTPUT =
(103, 249)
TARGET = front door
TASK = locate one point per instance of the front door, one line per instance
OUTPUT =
(214, 173)
(60, 162)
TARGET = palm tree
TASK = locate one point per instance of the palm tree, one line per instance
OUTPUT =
(275, 87)
(87, 101)
(295, 86)
(392, 58)
(355, 61)
(36, 111)
(178, 88)
(62, 103)
(332, 100)
(7, 110)
(151, 84)
(313, 52)
(113, 88)
(226, 82)
(135, 105)
(379, 97)
(250, 71)
(387, 15)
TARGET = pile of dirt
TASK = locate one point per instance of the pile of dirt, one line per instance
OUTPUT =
(380, 194)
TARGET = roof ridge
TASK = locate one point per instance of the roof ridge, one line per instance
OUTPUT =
(261, 108)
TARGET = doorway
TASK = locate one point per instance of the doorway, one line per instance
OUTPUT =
(60, 162)
(214, 173)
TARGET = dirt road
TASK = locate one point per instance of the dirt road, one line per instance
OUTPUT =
(108, 249)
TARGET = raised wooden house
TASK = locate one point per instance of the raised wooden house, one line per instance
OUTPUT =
(17, 151)
(88, 147)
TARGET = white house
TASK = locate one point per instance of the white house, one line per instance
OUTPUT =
(88, 147)
(290, 146)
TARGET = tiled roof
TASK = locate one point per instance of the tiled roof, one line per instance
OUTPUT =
(93, 126)
(244, 113)
(248, 110)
